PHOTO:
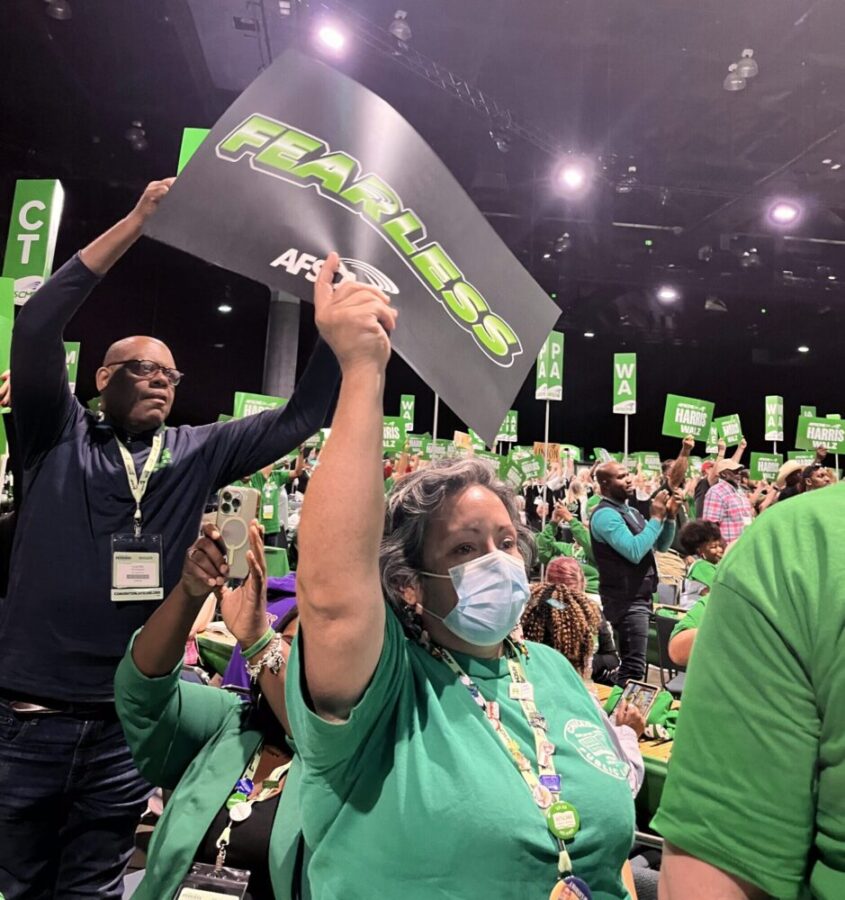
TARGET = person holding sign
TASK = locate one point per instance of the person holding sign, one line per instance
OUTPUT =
(623, 545)
(442, 755)
(726, 503)
(112, 503)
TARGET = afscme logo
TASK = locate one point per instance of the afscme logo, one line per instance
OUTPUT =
(296, 263)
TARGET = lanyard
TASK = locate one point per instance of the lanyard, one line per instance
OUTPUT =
(138, 487)
(244, 797)
(545, 785)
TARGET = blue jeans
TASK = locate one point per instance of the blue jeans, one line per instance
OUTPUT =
(630, 619)
(70, 800)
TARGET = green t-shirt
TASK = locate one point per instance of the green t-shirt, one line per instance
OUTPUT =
(414, 796)
(692, 619)
(757, 776)
(268, 506)
(549, 548)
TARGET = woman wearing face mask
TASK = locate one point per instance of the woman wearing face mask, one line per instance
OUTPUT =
(442, 755)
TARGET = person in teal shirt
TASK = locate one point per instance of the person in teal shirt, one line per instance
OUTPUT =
(752, 805)
(199, 741)
(422, 766)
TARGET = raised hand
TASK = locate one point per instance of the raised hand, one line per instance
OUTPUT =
(205, 564)
(355, 320)
(5, 389)
(150, 199)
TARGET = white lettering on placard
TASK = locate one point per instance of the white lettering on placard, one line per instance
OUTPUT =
(688, 415)
(828, 434)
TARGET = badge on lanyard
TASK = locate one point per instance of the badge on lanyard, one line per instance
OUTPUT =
(137, 569)
(571, 888)
(206, 882)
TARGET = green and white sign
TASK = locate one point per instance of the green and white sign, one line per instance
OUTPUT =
(625, 383)
(833, 416)
(250, 404)
(801, 456)
(815, 432)
(7, 320)
(730, 429)
(33, 228)
(602, 455)
(649, 460)
(415, 443)
(550, 368)
(191, 140)
(72, 360)
(765, 465)
(507, 431)
(393, 435)
(476, 441)
(774, 418)
(223, 417)
(570, 451)
(808, 411)
(712, 443)
(686, 415)
(406, 410)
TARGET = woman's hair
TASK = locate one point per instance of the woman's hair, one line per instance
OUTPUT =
(696, 533)
(411, 506)
(563, 619)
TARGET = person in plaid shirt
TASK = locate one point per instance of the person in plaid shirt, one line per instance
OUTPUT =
(726, 503)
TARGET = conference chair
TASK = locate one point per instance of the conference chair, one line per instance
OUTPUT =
(677, 674)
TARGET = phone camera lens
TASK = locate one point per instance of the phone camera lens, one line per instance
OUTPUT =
(226, 508)
(236, 503)
(227, 495)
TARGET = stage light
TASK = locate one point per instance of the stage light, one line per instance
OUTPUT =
(500, 139)
(563, 244)
(137, 136)
(803, 349)
(667, 294)
(399, 27)
(589, 334)
(836, 167)
(747, 66)
(827, 162)
(59, 9)
(547, 256)
(332, 37)
(224, 308)
(573, 175)
(733, 80)
(784, 212)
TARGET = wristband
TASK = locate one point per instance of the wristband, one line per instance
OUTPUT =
(272, 660)
(259, 645)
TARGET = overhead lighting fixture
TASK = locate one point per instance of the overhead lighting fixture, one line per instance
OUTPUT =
(59, 9)
(564, 243)
(331, 37)
(747, 66)
(573, 175)
(224, 308)
(827, 162)
(589, 334)
(733, 80)
(628, 181)
(667, 294)
(803, 349)
(547, 256)
(784, 212)
(763, 311)
(714, 304)
(137, 136)
(399, 27)
(500, 139)
(836, 167)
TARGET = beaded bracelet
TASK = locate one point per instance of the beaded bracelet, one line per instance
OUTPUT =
(259, 645)
(272, 659)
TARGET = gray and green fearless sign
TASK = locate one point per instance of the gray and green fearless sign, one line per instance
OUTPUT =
(774, 418)
(33, 227)
(393, 434)
(625, 383)
(730, 429)
(686, 415)
(815, 432)
(550, 368)
(406, 410)
(765, 465)
(249, 404)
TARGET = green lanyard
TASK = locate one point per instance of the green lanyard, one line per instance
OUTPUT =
(138, 486)
(561, 818)
(242, 809)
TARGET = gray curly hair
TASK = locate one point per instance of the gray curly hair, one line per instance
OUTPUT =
(410, 507)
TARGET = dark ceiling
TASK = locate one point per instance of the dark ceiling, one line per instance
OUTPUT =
(685, 170)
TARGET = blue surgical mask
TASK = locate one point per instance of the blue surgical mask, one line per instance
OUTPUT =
(492, 592)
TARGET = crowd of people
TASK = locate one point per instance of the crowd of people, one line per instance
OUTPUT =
(419, 716)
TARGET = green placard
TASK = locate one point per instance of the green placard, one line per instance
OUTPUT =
(625, 383)
(833, 416)
(415, 443)
(406, 410)
(712, 443)
(477, 441)
(602, 455)
(550, 368)
(33, 227)
(393, 434)
(730, 429)
(570, 451)
(815, 432)
(224, 418)
(808, 411)
(686, 415)
(72, 361)
(191, 140)
(765, 465)
(801, 456)
(774, 418)
(249, 404)
(507, 432)
(650, 460)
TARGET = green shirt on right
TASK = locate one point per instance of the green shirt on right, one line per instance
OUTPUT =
(757, 777)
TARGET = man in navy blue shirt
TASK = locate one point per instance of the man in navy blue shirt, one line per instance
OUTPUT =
(70, 794)
(623, 545)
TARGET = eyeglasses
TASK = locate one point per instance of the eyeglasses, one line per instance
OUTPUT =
(146, 368)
